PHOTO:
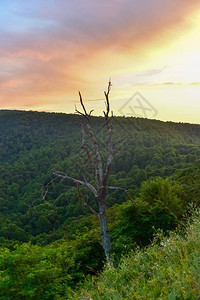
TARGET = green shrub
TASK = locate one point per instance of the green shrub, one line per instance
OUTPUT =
(168, 269)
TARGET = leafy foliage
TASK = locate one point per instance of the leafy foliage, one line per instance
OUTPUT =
(51, 246)
(168, 269)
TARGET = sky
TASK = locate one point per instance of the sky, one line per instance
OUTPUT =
(51, 49)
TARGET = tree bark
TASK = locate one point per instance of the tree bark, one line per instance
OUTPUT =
(105, 236)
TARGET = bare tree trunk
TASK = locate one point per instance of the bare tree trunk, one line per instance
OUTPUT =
(105, 236)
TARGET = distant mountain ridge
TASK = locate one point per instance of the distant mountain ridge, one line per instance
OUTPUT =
(33, 143)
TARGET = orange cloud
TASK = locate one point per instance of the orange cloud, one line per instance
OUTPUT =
(83, 45)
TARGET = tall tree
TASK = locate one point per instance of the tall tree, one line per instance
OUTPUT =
(100, 173)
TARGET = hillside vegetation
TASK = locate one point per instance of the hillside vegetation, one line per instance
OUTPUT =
(48, 247)
(168, 269)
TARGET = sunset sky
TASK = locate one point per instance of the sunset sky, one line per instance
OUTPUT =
(51, 49)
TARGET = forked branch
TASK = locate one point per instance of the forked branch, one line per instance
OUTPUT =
(63, 175)
(85, 204)
(123, 190)
(98, 166)
(107, 100)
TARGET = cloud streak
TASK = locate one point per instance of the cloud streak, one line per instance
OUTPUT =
(50, 50)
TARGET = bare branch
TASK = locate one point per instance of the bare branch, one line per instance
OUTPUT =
(85, 147)
(85, 114)
(63, 175)
(107, 99)
(97, 154)
(83, 106)
(47, 188)
(109, 130)
(90, 159)
(80, 113)
(122, 189)
(85, 204)
(115, 188)
(103, 177)
(98, 171)
(91, 112)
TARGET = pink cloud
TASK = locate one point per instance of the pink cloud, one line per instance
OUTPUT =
(68, 43)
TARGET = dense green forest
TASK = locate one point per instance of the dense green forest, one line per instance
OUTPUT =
(48, 247)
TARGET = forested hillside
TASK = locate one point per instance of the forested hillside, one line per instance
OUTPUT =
(157, 162)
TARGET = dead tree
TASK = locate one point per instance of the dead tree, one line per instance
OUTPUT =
(100, 174)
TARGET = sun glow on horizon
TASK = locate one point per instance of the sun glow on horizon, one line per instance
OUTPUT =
(154, 52)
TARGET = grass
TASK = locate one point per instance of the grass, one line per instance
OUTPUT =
(168, 269)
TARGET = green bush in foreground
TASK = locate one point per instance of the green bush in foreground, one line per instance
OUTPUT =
(168, 269)
(34, 272)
